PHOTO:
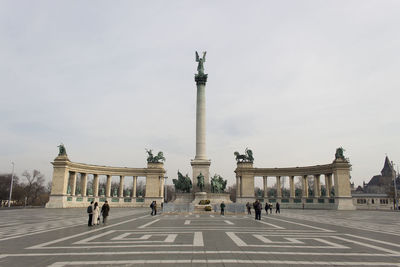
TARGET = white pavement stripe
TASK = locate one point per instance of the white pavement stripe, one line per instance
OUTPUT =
(239, 242)
(40, 246)
(229, 222)
(374, 240)
(198, 239)
(344, 254)
(187, 222)
(232, 261)
(149, 223)
(84, 241)
(270, 224)
(301, 224)
(366, 245)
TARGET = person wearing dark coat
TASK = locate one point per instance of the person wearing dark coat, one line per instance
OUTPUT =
(105, 209)
(222, 208)
(266, 207)
(248, 208)
(90, 213)
(278, 208)
(257, 207)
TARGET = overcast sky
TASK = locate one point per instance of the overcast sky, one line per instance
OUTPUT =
(292, 80)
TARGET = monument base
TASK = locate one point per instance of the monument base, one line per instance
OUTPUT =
(200, 166)
(344, 203)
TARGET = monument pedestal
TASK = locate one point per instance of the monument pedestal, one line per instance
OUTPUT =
(201, 166)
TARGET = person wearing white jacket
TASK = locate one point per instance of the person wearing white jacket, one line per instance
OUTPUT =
(96, 213)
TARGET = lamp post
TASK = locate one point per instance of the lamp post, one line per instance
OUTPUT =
(395, 188)
(12, 180)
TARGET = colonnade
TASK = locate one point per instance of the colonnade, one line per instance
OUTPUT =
(338, 171)
(304, 188)
(64, 193)
(95, 187)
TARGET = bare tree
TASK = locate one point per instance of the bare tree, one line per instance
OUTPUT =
(34, 186)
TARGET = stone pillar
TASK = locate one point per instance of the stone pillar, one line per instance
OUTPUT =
(278, 187)
(153, 181)
(201, 120)
(265, 180)
(292, 189)
(95, 185)
(341, 172)
(245, 171)
(108, 186)
(59, 184)
(328, 184)
(134, 186)
(161, 186)
(73, 183)
(83, 184)
(121, 186)
(237, 186)
(317, 186)
(305, 186)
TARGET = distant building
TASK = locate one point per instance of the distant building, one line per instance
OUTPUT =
(378, 193)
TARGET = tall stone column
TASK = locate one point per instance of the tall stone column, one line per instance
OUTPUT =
(83, 184)
(238, 191)
(134, 186)
(341, 173)
(201, 164)
(73, 183)
(108, 186)
(317, 187)
(292, 189)
(95, 185)
(278, 187)
(305, 186)
(328, 184)
(161, 186)
(121, 186)
(265, 188)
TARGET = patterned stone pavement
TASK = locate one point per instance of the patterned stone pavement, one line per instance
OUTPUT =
(60, 237)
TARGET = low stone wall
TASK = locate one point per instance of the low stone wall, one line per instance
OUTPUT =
(233, 208)
(183, 198)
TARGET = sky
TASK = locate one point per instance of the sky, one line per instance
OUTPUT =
(292, 80)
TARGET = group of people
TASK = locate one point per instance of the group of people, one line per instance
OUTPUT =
(258, 207)
(94, 213)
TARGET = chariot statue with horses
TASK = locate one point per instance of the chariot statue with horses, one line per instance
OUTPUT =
(155, 159)
(246, 157)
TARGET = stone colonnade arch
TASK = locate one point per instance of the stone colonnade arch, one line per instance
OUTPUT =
(339, 170)
(63, 190)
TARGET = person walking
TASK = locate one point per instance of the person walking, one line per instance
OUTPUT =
(90, 213)
(96, 213)
(278, 208)
(266, 207)
(105, 209)
(270, 208)
(222, 208)
(155, 207)
(152, 208)
(248, 208)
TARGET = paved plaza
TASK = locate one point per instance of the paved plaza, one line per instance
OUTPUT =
(61, 237)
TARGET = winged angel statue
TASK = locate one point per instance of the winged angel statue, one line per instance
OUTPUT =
(200, 66)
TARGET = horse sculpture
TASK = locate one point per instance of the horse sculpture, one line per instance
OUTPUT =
(155, 159)
(183, 183)
(218, 184)
(246, 157)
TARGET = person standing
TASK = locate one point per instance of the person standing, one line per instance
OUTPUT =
(90, 213)
(278, 208)
(270, 208)
(222, 208)
(105, 209)
(266, 207)
(96, 213)
(257, 209)
(248, 208)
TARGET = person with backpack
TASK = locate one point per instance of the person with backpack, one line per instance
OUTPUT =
(90, 213)
(105, 209)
